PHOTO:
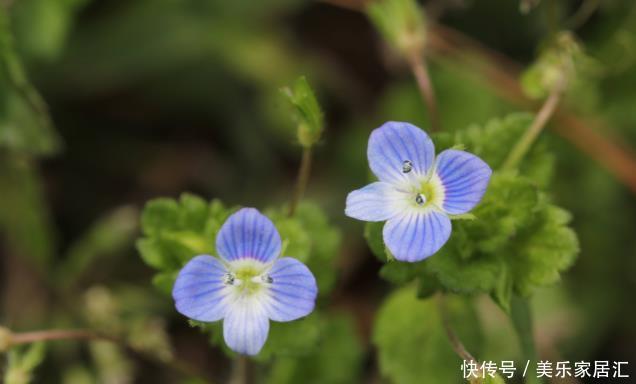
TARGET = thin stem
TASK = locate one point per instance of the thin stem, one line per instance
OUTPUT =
(543, 116)
(424, 84)
(241, 371)
(89, 335)
(521, 315)
(59, 334)
(454, 340)
(583, 14)
(301, 183)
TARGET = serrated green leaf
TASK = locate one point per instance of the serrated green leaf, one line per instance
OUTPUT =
(544, 251)
(492, 143)
(159, 215)
(176, 231)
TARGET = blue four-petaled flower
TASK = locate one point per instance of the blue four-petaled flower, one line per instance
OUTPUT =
(248, 286)
(416, 192)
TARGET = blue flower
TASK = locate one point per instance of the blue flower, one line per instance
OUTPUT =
(248, 286)
(416, 192)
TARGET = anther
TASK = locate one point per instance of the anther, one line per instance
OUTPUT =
(420, 199)
(228, 279)
(407, 166)
(267, 279)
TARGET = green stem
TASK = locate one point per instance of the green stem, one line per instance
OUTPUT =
(521, 315)
(424, 84)
(454, 340)
(530, 136)
(301, 182)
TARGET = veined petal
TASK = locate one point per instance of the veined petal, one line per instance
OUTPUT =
(199, 292)
(248, 234)
(246, 325)
(292, 292)
(377, 201)
(414, 236)
(395, 143)
(465, 178)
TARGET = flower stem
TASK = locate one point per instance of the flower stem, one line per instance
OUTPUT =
(90, 335)
(424, 84)
(59, 334)
(241, 371)
(543, 116)
(454, 340)
(521, 315)
(301, 182)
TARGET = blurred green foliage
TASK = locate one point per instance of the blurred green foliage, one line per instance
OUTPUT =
(151, 98)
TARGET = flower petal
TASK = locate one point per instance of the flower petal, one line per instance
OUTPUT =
(377, 201)
(246, 325)
(292, 292)
(199, 292)
(248, 234)
(394, 143)
(415, 236)
(465, 178)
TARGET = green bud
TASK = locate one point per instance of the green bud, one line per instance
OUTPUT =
(401, 23)
(308, 114)
(557, 62)
(5, 339)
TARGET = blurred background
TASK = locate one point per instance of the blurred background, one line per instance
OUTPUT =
(151, 98)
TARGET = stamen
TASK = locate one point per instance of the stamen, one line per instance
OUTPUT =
(420, 199)
(267, 279)
(228, 279)
(407, 166)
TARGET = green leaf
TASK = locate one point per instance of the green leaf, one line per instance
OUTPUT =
(337, 347)
(159, 215)
(543, 250)
(308, 114)
(311, 239)
(492, 143)
(411, 340)
(373, 235)
(176, 231)
(294, 338)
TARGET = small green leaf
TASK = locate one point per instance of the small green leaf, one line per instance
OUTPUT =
(22, 362)
(373, 235)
